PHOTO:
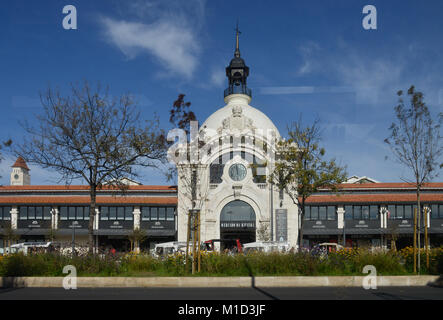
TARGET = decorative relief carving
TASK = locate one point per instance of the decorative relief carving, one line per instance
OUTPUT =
(236, 121)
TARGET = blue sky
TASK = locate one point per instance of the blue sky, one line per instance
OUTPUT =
(306, 57)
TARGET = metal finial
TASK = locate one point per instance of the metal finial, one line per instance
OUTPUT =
(237, 48)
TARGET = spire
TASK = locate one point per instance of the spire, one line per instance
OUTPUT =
(20, 163)
(237, 48)
(237, 72)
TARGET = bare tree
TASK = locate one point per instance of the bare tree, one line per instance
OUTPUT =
(263, 232)
(136, 237)
(416, 142)
(6, 144)
(92, 137)
(300, 169)
(189, 169)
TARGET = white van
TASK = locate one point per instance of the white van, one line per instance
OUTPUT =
(266, 246)
(162, 249)
(29, 247)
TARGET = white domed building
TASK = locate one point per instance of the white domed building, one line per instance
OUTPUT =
(233, 194)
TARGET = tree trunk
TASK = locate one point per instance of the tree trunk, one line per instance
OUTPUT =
(300, 234)
(93, 196)
(418, 225)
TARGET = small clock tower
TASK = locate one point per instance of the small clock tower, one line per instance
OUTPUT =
(20, 173)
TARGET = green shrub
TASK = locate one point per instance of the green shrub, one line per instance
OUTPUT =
(350, 262)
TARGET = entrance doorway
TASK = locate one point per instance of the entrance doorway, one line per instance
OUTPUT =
(237, 221)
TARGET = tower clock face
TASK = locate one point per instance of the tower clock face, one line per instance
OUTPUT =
(237, 172)
(16, 177)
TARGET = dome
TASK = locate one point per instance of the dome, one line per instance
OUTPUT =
(259, 119)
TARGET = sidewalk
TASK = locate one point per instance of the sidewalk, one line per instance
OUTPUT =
(219, 282)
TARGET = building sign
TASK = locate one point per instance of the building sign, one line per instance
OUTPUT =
(237, 224)
(405, 224)
(318, 225)
(116, 224)
(34, 224)
(362, 224)
(281, 224)
(400, 224)
(158, 225)
(70, 224)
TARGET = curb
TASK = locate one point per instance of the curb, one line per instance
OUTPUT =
(216, 282)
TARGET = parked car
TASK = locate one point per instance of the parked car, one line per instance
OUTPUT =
(322, 249)
(31, 247)
(162, 249)
(229, 244)
(266, 246)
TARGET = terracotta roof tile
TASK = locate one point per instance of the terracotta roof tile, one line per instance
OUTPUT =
(372, 198)
(83, 187)
(20, 163)
(85, 200)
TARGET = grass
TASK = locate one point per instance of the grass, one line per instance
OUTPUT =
(343, 263)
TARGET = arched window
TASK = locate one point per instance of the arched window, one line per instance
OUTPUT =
(237, 210)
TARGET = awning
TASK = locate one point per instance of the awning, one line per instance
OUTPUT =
(32, 232)
(64, 232)
(322, 232)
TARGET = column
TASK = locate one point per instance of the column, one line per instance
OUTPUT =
(54, 222)
(340, 217)
(14, 217)
(136, 214)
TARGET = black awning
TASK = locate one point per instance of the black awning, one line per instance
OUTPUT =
(363, 231)
(161, 233)
(112, 232)
(33, 232)
(64, 232)
(322, 232)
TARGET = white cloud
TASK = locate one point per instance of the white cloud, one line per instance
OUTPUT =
(176, 48)
(168, 31)
(308, 53)
(218, 77)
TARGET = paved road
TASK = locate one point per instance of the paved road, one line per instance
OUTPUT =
(325, 293)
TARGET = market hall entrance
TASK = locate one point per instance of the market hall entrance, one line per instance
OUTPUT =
(237, 221)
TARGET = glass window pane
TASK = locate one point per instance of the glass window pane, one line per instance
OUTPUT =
(365, 212)
(161, 213)
(79, 214)
(145, 213)
(434, 211)
(129, 213)
(63, 213)
(399, 213)
(170, 213)
(373, 212)
(331, 213)
(31, 212)
(23, 213)
(307, 213)
(440, 210)
(154, 214)
(39, 213)
(357, 212)
(408, 212)
(7, 213)
(104, 213)
(71, 213)
(322, 213)
(47, 215)
(348, 212)
(112, 213)
(121, 213)
(86, 213)
(391, 209)
(314, 213)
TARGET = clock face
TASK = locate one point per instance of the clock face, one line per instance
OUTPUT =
(237, 172)
(16, 176)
